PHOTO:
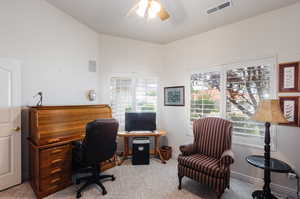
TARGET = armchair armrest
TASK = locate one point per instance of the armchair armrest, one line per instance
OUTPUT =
(227, 158)
(187, 149)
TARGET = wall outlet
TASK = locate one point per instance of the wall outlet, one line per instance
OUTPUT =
(292, 176)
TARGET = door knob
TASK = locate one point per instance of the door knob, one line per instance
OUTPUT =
(17, 128)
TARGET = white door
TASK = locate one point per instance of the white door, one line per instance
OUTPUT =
(10, 121)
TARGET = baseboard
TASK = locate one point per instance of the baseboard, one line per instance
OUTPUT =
(282, 190)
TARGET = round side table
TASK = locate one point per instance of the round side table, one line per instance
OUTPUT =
(275, 166)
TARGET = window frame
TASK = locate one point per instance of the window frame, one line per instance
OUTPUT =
(257, 141)
(134, 77)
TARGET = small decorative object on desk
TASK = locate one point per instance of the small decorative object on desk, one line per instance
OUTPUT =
(174, 96)
(268, 112)
(289, 77)
(39, 95)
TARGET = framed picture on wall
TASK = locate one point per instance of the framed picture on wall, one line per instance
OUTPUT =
(290, 109)
(289, 77)
(174, 96)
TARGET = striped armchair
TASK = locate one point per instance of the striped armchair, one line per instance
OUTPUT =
(208, 159)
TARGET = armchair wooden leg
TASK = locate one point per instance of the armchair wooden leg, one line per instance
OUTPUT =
(219, 195)
(180, 180)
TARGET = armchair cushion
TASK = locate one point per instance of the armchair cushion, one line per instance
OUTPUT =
(187, 149)
(227, 158)
(204, 164)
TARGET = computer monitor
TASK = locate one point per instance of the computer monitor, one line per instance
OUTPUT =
(140, 121)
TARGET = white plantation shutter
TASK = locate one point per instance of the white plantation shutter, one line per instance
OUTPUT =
(146, 95)
(233, 92)
(121, 98)
(205, 95)
(132, 94)
(245, 88)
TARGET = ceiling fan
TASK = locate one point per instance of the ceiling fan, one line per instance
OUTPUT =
(149, 9)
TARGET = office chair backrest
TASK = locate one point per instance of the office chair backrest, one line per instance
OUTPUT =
(99, 143)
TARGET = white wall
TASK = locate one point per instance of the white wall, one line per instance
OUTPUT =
(54, 50)
(272, 34)
(126, 56)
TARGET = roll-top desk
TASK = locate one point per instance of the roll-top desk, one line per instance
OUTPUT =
(52, 130)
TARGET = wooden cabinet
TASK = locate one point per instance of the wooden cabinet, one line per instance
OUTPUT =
(52, 131)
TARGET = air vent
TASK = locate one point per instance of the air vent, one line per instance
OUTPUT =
(219, 7)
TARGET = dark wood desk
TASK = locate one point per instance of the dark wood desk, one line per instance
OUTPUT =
(52, 131)
(156, 134)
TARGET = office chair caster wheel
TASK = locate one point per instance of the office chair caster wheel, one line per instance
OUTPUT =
(77, 181)
(78, 195)
(104, 192)
(113, 178)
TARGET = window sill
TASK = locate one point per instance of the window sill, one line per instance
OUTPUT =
(249, 145)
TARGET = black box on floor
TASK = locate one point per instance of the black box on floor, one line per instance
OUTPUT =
(140, 151)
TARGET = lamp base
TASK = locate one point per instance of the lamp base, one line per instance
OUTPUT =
(260, 194)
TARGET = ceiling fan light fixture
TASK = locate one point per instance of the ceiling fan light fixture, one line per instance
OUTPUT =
(154, 9)
(149, 9)
(142, 8)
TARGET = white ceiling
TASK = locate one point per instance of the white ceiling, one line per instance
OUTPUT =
(188, 17)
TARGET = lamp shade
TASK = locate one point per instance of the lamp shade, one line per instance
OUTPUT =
(269, 111)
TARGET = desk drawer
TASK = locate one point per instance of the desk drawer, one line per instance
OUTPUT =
(55, 182)
(55, 156)
(59, 137)
(58, 170)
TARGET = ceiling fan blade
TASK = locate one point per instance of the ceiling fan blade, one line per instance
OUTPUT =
(163, 14)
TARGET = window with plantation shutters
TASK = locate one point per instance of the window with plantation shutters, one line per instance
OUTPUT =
(146, 95)
(132, 94)
(205, 95)
(245, 88)
(232, 92)
(121, 98)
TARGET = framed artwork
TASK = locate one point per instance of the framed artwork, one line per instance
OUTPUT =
(289, 77)
(290, 109)
(174, 96)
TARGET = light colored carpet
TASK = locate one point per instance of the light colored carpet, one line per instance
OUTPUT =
(154, 181)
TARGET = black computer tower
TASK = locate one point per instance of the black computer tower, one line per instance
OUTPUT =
(140, 151)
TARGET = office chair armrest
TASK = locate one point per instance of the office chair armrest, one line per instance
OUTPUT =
(226, 159)
(187, 149)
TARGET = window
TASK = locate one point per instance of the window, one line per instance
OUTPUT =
(232, 92)
(130, 94)
(205, 95)
(245, 88)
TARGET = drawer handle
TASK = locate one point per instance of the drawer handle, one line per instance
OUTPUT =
(56, 151)
(55, 180)
(56, 161)
(53, 187)
(53, 140)
(56, 171)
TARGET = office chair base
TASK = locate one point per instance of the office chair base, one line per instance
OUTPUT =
(94, 179)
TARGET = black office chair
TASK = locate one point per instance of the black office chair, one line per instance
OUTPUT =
(98, 145)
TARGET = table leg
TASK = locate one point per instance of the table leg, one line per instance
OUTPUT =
(156, 148)
(126, 151)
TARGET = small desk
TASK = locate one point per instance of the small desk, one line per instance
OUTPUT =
(156, 134)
